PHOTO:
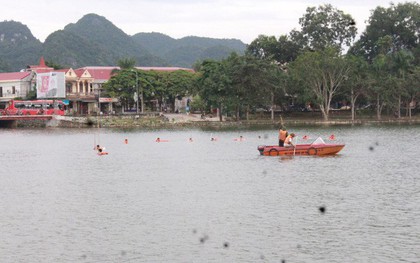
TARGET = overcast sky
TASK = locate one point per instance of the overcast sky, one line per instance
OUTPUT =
(240, 19)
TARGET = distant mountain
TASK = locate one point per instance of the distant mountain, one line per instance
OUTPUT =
(185, 51)
(95, 41)
(18, 47)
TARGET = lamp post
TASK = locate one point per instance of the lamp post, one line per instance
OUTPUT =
(141, 96)
(137, 94)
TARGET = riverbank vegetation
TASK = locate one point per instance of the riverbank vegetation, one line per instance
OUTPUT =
(320, 68)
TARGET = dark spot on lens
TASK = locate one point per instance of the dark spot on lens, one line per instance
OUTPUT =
(83, 256)
(298, 246)
(371, 148)
(322, 209)
(204, 239)
(262, 257)
(264, 172)
(226, 244)
(265, 136)
(194, 231)
(377, 143)
(123, 253)
(283, 261)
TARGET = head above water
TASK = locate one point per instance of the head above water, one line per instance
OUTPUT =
(292, 135)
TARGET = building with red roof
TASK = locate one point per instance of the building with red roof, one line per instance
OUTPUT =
(83, 85)
(15, 84)
(41, 68)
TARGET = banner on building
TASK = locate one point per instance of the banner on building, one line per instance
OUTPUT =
(50, 85)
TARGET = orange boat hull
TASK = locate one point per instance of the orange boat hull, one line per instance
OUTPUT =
(301, 149)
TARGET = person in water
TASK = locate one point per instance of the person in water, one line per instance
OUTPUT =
(282, 135)
(99, 148)
(289, 141)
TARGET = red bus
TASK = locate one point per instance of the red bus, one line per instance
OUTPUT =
(33, 107)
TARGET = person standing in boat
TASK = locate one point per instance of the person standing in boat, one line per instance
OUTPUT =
(282, 135)
(289, 141)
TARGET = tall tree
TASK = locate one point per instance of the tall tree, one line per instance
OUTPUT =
(281, 51)
(383, 85)
(400, 23)
(413, 88)
(215, 84)
(322, 73)
(325, 27)
(401, 62)
(357, 80)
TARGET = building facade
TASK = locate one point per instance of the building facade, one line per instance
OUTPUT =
(83, 86)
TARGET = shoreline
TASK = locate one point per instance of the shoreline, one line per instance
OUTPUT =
(181, 121)
(175, 121)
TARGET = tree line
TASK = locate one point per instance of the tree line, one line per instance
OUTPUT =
(318, 65)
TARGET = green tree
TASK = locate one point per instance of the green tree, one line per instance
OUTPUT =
(322, 74)
(357, 81)
(214, 84)
(412, 88)
(122, 86)
(126, 63)
(179, 84)
(325, 27)
(400, 23)
(400, 63)
(383, 84)
(249, 75)
(282, 50)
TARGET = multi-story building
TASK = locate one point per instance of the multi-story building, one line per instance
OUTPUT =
(83, 85)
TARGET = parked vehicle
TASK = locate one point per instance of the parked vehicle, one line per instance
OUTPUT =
(33, 107)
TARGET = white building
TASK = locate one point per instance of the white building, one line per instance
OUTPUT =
(15, 84)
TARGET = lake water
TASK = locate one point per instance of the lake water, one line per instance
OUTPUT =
(205, 201)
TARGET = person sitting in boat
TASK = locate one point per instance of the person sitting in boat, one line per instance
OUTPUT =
(289, 141)
(282, 135)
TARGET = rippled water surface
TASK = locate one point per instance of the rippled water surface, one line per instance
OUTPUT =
(205, 201)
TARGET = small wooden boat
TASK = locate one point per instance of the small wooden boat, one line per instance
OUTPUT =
(318, 147)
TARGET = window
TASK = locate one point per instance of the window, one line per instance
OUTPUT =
(13, 90)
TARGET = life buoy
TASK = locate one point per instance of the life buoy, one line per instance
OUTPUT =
(273, 152)
(312, 151)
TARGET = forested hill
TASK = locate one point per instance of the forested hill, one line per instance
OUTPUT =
(93, 40)
(185, 51)
(18, 47)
